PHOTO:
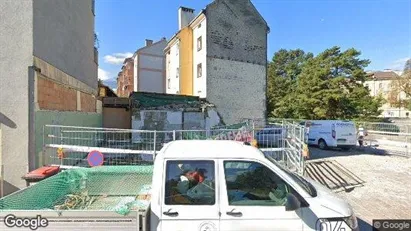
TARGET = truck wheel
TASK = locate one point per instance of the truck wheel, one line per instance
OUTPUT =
(322, 144)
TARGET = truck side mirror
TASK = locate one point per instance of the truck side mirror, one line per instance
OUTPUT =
(292, 203)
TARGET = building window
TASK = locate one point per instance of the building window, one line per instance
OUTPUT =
(380, 86)
(178, 49)
(199, 71)
(407, 114)
(168, 83)
(199, 43)
(199, 25)
(178, 72)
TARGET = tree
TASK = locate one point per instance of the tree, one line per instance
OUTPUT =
(400, 93)
(283, 72)
(329, 86)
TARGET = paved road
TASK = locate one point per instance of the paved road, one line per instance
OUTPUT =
(377, 186)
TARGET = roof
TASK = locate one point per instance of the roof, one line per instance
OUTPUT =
(126, 60)
(209, 149)
(153, 44)
(383, 75)
(109, 91)
(149, 100)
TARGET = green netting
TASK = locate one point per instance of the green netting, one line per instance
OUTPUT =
(145, 99)
(112, 188)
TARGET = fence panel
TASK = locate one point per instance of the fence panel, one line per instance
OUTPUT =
(388, 138)
(69, 146)
(283, 140)
(117, 145)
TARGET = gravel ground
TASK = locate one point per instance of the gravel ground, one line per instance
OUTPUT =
(376, 186)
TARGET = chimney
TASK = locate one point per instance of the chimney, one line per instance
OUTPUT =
(185, 15)
(149, 42)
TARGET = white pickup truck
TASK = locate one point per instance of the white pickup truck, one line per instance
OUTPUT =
(214, 185)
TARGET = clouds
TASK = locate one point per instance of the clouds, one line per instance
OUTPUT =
(103, 75)
(398, 64)
(117, 58)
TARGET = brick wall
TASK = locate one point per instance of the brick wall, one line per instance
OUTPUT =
(53, 96)
(57, 97)
(88, 102)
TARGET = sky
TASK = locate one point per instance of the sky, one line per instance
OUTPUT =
(380, 29)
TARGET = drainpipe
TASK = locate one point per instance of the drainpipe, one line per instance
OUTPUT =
(31, 128)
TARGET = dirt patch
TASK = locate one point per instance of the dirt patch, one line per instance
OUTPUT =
(379, 185)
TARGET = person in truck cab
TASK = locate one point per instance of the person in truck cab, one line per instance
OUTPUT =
(193, 186)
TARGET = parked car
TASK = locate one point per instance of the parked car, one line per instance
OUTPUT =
(331, 133)
(270, 136)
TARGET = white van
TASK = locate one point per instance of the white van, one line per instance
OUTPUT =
(331, 133)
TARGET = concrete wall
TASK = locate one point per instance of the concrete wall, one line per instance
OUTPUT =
(236, 60)
(246, 95)
(200, 83)
(172, 65)
(164, 120)
(152, 81)
(16, 55)
(64, 37)
(151, 62)
(151, 68)
(193, 121)
(42, 118)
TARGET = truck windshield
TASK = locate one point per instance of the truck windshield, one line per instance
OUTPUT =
(307, 186)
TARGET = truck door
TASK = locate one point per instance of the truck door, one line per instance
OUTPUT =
(253, 198)
(190, 201)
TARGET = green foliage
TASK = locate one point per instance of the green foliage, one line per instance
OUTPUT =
(327, 86)
(401, 86)
(283, 72)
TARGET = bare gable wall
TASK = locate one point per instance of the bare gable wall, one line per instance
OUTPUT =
(236, 60)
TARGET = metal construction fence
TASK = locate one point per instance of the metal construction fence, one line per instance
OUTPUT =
(69, 145)
(383, 137)
(388, 138)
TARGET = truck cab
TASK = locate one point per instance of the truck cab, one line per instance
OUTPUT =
(228, 185)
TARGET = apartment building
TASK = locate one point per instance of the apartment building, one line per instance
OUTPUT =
(49, 76)
(125, 84)
(380, 83)
(144, 71)
(221, 54)
(149, 67)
